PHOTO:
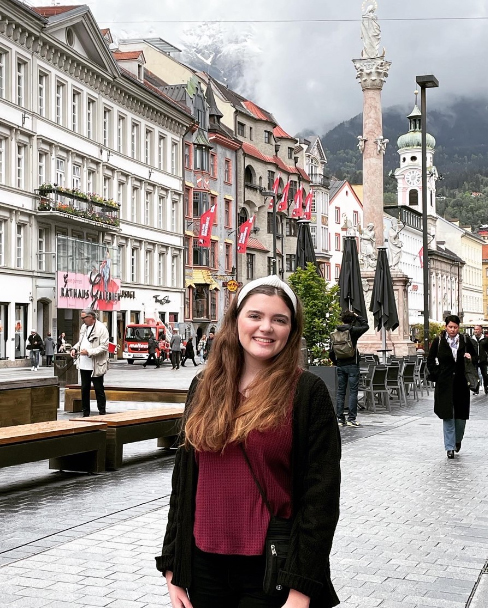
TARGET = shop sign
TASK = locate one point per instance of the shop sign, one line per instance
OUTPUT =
(232, 285)
(94, 290)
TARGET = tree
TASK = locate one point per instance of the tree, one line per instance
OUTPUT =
(434, 331)
(321, 311)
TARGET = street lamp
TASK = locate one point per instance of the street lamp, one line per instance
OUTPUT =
(272, 195)
(425, 82)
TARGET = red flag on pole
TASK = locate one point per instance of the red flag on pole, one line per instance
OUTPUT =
(244, 233)
(283, 204)
(276, 185)
(308, 206)
(298, 204)
(206, 222)
(421, 257)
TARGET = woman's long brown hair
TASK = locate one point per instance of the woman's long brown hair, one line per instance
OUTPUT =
(218, 416)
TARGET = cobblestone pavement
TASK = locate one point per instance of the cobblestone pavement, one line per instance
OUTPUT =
(413, 531)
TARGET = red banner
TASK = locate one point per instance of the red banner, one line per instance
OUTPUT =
(206, 222)
(298, 204)
(283, 204)
(308, 206)
(244, 234)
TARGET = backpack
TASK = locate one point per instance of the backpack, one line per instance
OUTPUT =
(342, 344)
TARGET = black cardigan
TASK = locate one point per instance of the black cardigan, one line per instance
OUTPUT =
(316, 452)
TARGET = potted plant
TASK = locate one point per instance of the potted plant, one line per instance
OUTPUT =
(321, 311)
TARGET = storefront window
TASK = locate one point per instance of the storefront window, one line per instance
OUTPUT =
(200, 302)
(3, 329)
(20, 330)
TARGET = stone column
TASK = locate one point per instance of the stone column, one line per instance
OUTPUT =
(372, 74)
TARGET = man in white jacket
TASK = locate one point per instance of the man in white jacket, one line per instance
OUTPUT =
(92, 351)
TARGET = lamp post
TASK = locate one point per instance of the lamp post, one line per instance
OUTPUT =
(425, 82)
(272, 195)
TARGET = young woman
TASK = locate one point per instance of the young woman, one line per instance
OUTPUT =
(451, 395)
(254, 395)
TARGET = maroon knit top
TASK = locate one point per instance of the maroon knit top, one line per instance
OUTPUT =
(230, 515)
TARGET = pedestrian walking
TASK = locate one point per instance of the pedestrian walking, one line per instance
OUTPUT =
(260, 445)
(152, 346)
(446, 365)
(49, 346)
(344, 354)
(175, 345)
(92, 352)
(61, 343)
(480, 343)
(201, 348)
(34, 346)
(189, 353)
(208, 344)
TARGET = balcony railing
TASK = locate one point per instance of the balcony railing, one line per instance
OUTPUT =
(320, 180)
(79, 205)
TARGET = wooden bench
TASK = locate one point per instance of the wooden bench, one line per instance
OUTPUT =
(162, 424)
(72, 395)
(68, 445)
(29, 400)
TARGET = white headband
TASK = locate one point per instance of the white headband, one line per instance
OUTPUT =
(273, 281)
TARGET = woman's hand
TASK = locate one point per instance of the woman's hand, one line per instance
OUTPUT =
(467, 355)
(296, 600)
(177, 595)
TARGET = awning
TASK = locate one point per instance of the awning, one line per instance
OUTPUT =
(199, 277)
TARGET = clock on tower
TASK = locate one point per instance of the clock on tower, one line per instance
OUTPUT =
(413, 177)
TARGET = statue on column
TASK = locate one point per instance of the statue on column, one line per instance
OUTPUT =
(394, 244)
(368, 246)
(361, 143)
(370, 32)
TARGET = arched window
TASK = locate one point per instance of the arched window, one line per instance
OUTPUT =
(249, 175)
(413, 197)
(243, 216)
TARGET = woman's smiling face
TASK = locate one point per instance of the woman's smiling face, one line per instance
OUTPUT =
(264, 325)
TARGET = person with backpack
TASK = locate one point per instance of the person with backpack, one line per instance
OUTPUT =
(345, 355)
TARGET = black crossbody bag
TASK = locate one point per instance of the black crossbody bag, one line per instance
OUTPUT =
(276, 544)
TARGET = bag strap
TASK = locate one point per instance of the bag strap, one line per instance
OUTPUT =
(261, 491)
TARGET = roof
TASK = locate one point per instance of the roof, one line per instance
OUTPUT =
(443, 251)
(157, 43)
(127, 55)
(258, 112)
(251, 150)
(335, 186)
(359, 190)
(253, 243)
(51, 11)
(279, 132)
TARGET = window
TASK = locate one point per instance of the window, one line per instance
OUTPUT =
(76, 177)
(147, 208)
(187, 156)
(250, 133)
(134, 140)
(59, 103)
(313, 232)
(337, 215)
(161, 269)
(41, 248)
(133, 206)
(270, 224)
(21, 92)
(290, 262)
(355, 218)
(41, 93)
(271, 179)
(20, 166)
(250, 257)
(60, 172)
(120, 192)
(337, 241)
(90, 180)
(213, 255)
(174, 270)
(241, 129)
(228, 171)
(2, 161)
(174, 215)
(174, 158)
(201, 158)
(148, 147)
(147, 267)
(228, 257)
(134, 254)
(161, 144)
(291, 227)
(3, 73)
(90, 115)
(161, 211)
(2, 243)
(106, 187)
(200, 203)
(200, 254)
(19, 246)
(227, 213)
(213, 305)
(106, 126)
(213, 164)
(121, 134)
(75, 111)
(267, 137)
(325, 238)
(327, 272)
(290, 153)
(337, 272)
(270, 265)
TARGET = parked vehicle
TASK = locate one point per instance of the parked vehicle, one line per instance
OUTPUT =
(136, 340)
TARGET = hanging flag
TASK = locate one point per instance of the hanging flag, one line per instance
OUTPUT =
(298, 204)
(244, 233)
(206, 222)
(283, 204)
(308, 206)
(421, 257)
(276, 186)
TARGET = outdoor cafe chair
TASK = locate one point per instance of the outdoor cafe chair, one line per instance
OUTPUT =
(366, 374)
(409, 380)
(377, 387)
(394, 383)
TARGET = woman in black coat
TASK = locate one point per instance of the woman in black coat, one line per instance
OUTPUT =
(446, 363)
(189, 353)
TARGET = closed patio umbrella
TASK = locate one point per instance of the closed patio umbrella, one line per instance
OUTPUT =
(350, 284)
(305, 249)
(383, 305)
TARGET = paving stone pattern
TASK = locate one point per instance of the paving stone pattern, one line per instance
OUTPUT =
(413, 531)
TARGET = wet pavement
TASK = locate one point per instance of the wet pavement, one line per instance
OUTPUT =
(413, 531)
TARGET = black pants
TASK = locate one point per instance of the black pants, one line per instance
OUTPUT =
(230, 581)
(152, 357)
(484, 374)
(86, 381)
(175, 358)
(49, 359)
(185, 358)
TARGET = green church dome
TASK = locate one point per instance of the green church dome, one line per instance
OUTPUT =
(413, 139)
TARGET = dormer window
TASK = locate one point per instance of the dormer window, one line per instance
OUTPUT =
(70, 37)
(140, 72)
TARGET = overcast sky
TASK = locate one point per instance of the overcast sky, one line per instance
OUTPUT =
(304, 75)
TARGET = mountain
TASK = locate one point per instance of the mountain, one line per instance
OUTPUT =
(461, 133)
